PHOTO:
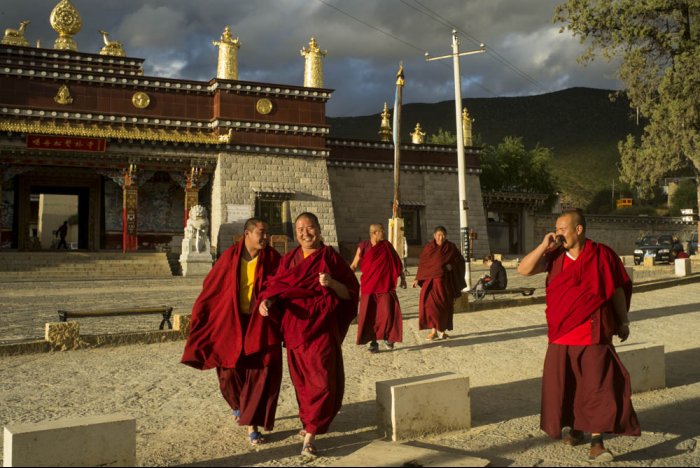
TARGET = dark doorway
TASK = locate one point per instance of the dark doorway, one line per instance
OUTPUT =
(79, 218)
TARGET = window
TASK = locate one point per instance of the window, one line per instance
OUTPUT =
(270, 211)
(411, 224)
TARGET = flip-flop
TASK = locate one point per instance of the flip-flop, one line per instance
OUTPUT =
(256, 438)
(571, 439)
(236, 414)
(309, 450)
(301, 433)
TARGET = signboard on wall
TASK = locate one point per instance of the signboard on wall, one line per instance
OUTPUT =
(238, 213)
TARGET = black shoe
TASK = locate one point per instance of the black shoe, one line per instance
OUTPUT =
(373, 347)
(388, 344)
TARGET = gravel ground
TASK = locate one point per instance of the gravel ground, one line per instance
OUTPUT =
(182, 419)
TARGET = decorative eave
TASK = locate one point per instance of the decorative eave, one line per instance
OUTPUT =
(514, 198)
(404, 167)
(390, 146)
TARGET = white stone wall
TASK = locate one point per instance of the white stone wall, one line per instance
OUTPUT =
(239, 175)
(363, 196)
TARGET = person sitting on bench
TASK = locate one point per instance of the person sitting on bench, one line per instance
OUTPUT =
(497, 279)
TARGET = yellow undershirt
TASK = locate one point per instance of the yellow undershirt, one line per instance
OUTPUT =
(246, 282)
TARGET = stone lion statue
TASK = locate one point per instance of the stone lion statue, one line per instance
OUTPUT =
(196, 238)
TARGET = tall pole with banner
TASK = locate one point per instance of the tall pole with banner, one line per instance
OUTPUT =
(396, 227)
(461, 165)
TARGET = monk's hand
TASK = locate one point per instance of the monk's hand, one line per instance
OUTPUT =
(624, 331)
(325, 279)
(415, 284)
(403, 283)
(264, 308)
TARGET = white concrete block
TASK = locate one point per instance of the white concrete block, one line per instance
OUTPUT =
(380, 453)
(683, 267)
(93, 441)
(630, 272)
(419, 405)
(646, 364)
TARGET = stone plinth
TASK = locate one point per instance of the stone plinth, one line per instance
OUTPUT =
(646, 364)
(649, 261)
(62, 336)
(181, 323)
(627, 260)
(93, 441)
(380, 453)
(427, 404)
(683, 267)
(196, 264)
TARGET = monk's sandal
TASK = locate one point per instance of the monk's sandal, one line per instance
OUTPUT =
(309, 450)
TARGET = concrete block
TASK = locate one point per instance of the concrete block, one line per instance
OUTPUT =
(93, 441)
(182, 323)
(630, 271)
(683, 267)
(415, 406)
(62, 335)
(646, 364)
(380, 453)
(627, 260)
(648, 261)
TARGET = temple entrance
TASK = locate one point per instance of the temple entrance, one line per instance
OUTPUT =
(45, 202)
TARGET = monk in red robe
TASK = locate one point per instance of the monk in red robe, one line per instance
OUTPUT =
(441, 270)
(380, 312)
(314, 297)
(223, 329)
(585, 387)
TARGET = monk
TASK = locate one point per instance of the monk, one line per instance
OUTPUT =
(380, 312)
(314, 297)
(441, 270)
(223, 329)
(585, 387)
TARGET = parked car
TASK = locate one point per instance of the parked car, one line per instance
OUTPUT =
(693, 244)
(653, 246)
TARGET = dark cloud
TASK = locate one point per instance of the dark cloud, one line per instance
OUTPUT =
(174, 36)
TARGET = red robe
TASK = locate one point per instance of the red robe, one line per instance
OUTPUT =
(380, 313)
(586, 387)
(314, 323)
(440, 287)
(250, 382)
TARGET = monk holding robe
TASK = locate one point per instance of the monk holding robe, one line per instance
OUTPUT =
(380, 313)
(441, 270)
(314, 297)
(223, 331)
(585, 387)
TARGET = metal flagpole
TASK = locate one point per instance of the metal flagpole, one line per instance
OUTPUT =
(461, 173)
(396, 227)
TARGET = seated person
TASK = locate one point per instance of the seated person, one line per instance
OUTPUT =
(497, 279)
(679, 253)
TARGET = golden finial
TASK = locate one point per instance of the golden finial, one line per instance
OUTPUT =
(400, 81)
(418, 136)
(63, 96)
(227, 68)
(385, 129)
(66, 21)
(313, 65)
(16, 36)
(466, 128)
(111, 47)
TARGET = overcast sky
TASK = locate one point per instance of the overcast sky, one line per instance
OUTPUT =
(366, 40)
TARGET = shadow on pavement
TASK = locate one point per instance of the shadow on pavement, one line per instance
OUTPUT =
(663, 311)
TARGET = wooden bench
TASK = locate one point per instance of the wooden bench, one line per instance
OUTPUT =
(165, 311)
(480, 294)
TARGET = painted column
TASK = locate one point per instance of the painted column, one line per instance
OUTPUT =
(130, 213)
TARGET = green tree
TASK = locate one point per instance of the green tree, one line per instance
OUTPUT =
(684, 197)
(657, 42)
(443, 137)
(509, 167)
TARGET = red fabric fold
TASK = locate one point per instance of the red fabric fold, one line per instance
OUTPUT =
(217, 337)
(381, 267)
(575, 294)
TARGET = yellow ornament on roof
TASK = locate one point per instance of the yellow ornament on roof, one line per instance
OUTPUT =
(66, 21)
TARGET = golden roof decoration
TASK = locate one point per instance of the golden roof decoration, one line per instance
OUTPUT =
(111, 47)
(418, 136)
(120, 132)
(16, 36)
(63, 96)
(385, 128)
(66, 21)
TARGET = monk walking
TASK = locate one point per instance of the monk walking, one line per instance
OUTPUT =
(585, 387)
(441, 270)
(223, 331)
(380, 312)
(314, 296)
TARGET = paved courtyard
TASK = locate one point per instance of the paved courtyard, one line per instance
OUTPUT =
(181, 418)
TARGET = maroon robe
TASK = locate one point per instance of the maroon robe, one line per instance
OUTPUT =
(380, 313)
(586, 387)
(314, 323)
(440, 287)
(250, 382)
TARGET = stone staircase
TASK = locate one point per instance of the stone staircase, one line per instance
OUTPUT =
(37, 266)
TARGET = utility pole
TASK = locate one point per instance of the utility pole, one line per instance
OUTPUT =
(461, 169)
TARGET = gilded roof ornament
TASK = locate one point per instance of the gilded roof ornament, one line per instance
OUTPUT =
(140, 100)
(385, 128)
(418, 136)
(313, 65)
(227, 67)
(66, 21)
(63, 96)
(16, 36)
(111, 47)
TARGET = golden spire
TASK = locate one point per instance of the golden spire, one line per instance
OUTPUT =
(16, 36)
(227, 68)
(466, 128)
(418, 136)
(313, 66)
(385, 128)
(66, 21)
(111, 47)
